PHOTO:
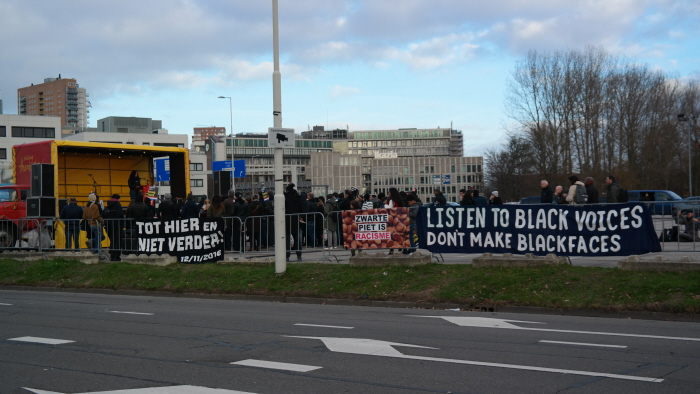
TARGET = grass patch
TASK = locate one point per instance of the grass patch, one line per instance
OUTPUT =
(551, 286)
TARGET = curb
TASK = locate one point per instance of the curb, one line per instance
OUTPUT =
(533, 310)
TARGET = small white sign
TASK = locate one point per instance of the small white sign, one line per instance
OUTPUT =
(280, 138)
(386, 155)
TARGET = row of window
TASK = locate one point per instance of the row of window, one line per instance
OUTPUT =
(29, 132)
(262, 143)
(367, 135)
(403, 142)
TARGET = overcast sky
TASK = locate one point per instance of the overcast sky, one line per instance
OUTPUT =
(374, 64)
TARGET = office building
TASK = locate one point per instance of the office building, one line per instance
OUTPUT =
(61, 97)
(202, 133)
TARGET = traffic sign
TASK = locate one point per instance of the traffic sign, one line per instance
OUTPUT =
(238, 168)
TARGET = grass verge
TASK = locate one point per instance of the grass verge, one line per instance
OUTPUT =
(555, 286)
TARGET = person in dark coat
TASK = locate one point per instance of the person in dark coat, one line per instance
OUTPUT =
(465, 198)
(167, 210)
(114, 224)
(591, 191)
(134, 184)
(190, 209)
(293, 206)
(494, 199)
(479, 200)
(439, 197)
(240, 212)
(253, 225)
(71, 214)
(547, 195)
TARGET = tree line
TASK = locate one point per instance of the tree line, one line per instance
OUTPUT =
(590, 113)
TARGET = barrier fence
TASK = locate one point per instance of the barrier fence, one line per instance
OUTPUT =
(304, 232)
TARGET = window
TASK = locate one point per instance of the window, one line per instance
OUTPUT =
(3, 154)
(33, 132)
(3, 131)
(196, 166)
(196, 182)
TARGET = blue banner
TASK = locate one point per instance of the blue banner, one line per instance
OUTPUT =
(565, 230)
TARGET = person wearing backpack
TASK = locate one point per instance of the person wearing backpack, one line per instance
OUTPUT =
(577, 191)
(613, 190)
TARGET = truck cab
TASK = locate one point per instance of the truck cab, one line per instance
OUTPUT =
(13, 207)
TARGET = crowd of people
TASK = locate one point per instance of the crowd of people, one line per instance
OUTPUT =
(586, 191)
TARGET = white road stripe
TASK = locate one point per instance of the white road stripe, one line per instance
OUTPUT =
(320, 325)
(584, 344)
(132, 313)
(48, 341)
(5, 304)
(155, 390)
(274, 365)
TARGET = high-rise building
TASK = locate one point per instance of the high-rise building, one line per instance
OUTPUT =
(61, 97)
(202, 133)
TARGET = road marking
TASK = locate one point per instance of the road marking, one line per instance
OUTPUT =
(47, 341)
(320, 325)
(384, 349)
(274, 365)
(488, 322)
(5, 304)
(132, 313)
(155, 390)
(584, 344)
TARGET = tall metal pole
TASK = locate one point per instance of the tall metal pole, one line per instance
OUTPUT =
(230, 111)
(280, 240)
(690, 165)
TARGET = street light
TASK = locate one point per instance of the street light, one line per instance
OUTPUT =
(233, 174)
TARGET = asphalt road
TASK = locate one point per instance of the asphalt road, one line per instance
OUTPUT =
(187, 346)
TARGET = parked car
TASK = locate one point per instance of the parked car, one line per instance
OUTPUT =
(687, 204)
(531, 200)
(664, 200)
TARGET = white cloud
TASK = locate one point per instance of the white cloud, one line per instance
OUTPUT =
(342, 91)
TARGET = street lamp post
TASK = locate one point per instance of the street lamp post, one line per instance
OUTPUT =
(683, 118)
(230, 110)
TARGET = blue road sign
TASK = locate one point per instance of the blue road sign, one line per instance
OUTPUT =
(225, 165)
(162, 170)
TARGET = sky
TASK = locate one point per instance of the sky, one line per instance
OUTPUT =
(362, 65)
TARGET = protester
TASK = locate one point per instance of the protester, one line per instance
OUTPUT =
(229, 221)
(216, 208)
(591, 191)
(613, 190)
(331, 211)
(479, 200)
(189, 210)
(494, 199)
(367, 204)
(559, 197)
(547, 196)
(692, 226)
(465, 198)
(354, 204)
(394, 201)
(571, 197)
(205, 206)
(167, 210)
(94, 219)
(439, 197)
(253, 223)
(239, 210)
(114, 223)
(71, 215)
(293, 207)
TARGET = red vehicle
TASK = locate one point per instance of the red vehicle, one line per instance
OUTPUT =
(13, 208)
